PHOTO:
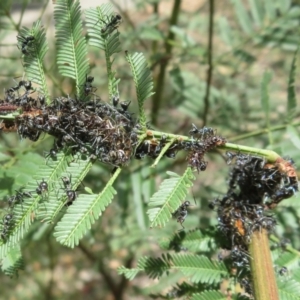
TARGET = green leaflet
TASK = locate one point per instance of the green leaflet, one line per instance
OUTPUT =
(13, 262)
(169, 197)
(109, 43)
(79, 217)
(197, 268)
(33, 63)
(71, 46)
(143, 82)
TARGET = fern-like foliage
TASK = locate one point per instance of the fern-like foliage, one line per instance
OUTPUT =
(25, 212)
(154, 267)
(288, 289)
(96, 18)
(13, 262)
(209, 295)
(72, 58)
(56, 197)
(199, 268)
(143, 81)
(194, 241)
(264, 22)
(80, 217)
(23, 218)
(33, 63)
(169, 197)
(289, 260)
(196, 268)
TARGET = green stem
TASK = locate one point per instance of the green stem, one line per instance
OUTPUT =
(160, 82)
(162, 152)
(288, 248)
(262, 131)
(269, 155)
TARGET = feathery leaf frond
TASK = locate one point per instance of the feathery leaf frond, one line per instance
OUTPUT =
(169, 197)
(96, 19)
(53, 175)
(199, 268)
(209, 295)
(196, 240)
(25, 211)
(273, 23)
(288, 289)
(33, 62)
(13, 262)
(143, 81)
(71, 44)
(81, 215)
(57, 198)
(154, 267)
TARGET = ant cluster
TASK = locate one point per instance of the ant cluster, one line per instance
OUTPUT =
(105, 132)
(254, 187)
(202, 140)
(102, 131)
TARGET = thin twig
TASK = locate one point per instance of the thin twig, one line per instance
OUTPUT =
(157, 97)
(209, 58)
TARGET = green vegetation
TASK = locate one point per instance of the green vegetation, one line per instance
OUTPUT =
(111, 179)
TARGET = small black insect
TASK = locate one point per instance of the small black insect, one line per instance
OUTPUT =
(52, 153)
(181, 213)
(25, 44)
(282, 271)
(71, 194)
(230, 157)
(42, 187)
(7, 219)
(124, 105)
(4, 233)
(112, 24)
(88, 88)
(115, 100)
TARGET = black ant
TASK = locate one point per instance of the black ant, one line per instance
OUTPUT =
(52, 153)
(282, 271)
(26, 84)
(25, 43)
(181, 213)
(71, 194)
(7, 219)
(7, 223)
(42, 187)
(112, 24)
(115, 100)
(88, 88)
(18, 198)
